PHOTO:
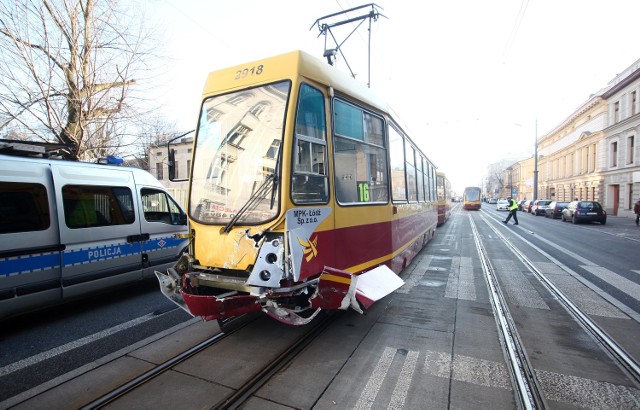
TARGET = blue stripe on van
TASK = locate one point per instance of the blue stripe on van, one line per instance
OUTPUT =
(51, 260)
(166, 242)
(100, 253)
(29, 263)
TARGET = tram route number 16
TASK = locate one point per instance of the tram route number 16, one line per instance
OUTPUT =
(363, 191)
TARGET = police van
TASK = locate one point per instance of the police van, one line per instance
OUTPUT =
(68, 229)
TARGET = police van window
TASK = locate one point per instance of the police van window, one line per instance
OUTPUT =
(87, 206)
(309, 181)
(157, 206)
(360, 156)
(24, 207)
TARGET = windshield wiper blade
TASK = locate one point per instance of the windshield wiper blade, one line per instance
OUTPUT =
(253, 201)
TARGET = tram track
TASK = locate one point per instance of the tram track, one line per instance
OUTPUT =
(524, 381)
(231, 327)
(531, 384)
(626, 361)
(240, 394)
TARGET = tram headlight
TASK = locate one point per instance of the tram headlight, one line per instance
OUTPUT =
(265, 275)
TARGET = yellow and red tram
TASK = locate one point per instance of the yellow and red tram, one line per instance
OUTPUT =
(472, 198)
(304, 194)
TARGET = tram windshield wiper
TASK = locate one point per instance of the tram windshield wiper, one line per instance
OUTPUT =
(253, 201)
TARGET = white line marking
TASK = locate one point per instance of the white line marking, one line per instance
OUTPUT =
(404, 381)
(19, 365)
(370, 391)
(625, 285)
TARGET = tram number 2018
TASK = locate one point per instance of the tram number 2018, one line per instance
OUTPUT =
(363, 192)
(248, 72)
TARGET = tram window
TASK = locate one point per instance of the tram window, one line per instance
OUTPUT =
(396, 151)
(90, 206)
(412, 189)
(420, 167)
(309, 182)
(24, 207)
(360, 156)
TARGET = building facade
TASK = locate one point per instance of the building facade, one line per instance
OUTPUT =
(622, 162)
(593, 155)
(571, 156)
(158, 167)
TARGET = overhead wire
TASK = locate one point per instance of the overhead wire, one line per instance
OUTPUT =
(516, 27)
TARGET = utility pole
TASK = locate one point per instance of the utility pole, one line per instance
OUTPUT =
(535, 165)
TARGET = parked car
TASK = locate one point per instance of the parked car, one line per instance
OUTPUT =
(521, 205)
(527, 206)
(554, 210)
(539, 206)
(502, 205)
(584, 211)
(492, 200)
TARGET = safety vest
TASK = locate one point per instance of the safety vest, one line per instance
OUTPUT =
(513, 205)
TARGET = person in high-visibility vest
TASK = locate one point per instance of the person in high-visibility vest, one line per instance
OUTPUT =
(513, 210)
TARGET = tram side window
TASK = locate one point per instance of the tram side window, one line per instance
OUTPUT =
(360, 156)
(421, 178)
(411, 173)
(24, 207)
(309, 181)
(87, 206)
(396, 151)
(157, 206)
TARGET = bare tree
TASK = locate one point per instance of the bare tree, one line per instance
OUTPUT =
(67, 69)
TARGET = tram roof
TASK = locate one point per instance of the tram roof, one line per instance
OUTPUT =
(289, 65)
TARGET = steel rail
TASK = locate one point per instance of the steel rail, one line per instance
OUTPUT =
(600, 335)
(232, 326)
(525, 383)
(244, 392)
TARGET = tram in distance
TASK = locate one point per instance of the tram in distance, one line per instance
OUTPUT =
(472, 198)
(304, 194)
(443, 190)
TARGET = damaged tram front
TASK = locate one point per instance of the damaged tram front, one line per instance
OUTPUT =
(262, 221)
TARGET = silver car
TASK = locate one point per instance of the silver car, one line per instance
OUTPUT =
(502, 205)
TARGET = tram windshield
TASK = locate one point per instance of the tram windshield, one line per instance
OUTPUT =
(236, 159)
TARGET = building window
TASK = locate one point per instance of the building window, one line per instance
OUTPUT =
(159, 174)
(616, 112)
(633, 103)
(614, 154)
(630, 196)
(630, 149)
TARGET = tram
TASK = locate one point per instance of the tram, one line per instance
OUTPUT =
(472, 198)
(304, 194)
(443, 190)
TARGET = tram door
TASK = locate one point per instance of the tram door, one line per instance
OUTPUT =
(312, 216)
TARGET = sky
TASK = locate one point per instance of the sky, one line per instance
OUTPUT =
(474, 82)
